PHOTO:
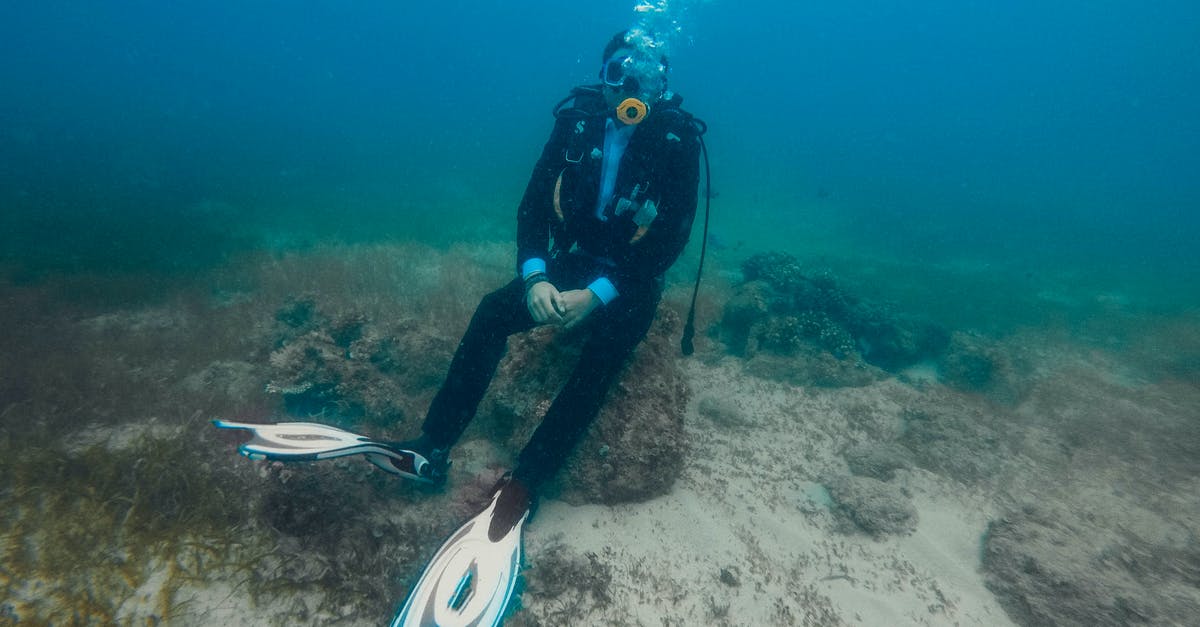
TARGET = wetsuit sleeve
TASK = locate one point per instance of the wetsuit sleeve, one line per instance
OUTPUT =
(677, 172)
(533, 214)
(603, 289)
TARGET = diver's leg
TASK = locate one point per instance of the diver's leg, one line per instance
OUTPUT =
(499, 315)
(619, 329)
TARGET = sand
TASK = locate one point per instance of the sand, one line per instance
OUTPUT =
(745, 509)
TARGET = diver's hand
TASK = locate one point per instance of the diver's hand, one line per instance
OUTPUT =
(543, 301)
(575, 305)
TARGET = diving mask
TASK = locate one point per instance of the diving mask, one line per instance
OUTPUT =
(615, 72)
(642, 80)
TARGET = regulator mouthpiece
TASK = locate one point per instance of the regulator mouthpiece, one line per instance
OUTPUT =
(632, 111)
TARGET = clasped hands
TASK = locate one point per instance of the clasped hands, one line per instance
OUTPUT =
(569, 308)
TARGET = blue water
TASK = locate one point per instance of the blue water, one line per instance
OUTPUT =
(1042, 139)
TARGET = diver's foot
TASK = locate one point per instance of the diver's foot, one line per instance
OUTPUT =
(421, 461)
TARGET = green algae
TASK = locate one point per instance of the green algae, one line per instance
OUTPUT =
(84, 529)
(123, 505)
(104, 535)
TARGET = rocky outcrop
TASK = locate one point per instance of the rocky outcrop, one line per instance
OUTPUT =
(877, 460)
(1052, 565)
(872, 506)
(634, 450)
(362, 372)
(824, 335)
(346, 365)
(973, 363)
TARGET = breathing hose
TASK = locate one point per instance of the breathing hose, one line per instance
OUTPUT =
(689, 329)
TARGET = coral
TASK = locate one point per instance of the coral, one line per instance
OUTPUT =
(872, 506)
(779, 270)
(788, 334)
(781, 310)
(634, 450)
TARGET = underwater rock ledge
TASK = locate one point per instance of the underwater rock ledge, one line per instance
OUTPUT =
(345, 365)
(635, 449)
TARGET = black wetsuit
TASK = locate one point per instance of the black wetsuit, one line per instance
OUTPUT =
(557, 222)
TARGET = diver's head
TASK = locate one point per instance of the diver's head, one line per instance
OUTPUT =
(634, 77)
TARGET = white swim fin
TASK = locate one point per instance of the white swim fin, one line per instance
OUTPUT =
(472, 578)
(309, 441)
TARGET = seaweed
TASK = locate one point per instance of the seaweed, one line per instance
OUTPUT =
(569, 587)
(123, 504)
(92, 526)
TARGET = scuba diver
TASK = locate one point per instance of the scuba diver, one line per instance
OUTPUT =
(607, 211)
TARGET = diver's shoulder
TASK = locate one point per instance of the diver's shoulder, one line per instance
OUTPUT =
(670, 114)
(582, 101)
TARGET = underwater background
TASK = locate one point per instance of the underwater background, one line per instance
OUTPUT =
(176, 178)
(1018, 140)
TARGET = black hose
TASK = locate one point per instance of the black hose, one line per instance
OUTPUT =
(689, 329)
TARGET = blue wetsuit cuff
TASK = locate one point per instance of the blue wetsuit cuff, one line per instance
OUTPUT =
(532, 266)
(603, 289)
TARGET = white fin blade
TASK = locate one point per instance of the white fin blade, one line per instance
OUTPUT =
(493, 569)
(294, 439)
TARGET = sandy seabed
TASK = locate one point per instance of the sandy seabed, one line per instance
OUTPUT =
(745, 539)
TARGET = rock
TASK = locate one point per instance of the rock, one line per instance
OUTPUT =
(810, 366)
(237, 381)
(894, 342)
(364, 374)
(299, 315)
(1052, 566)
(872, 506)
(634, 450)
(949, 435)
(348, 366)
(723, 411)
(745, 309)
(781, 311)
(876, 460)
(975, 364)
